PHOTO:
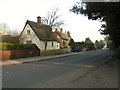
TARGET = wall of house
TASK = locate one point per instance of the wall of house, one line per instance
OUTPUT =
(63, 43)
(52, 45)
(34, 39)
(66, 43)
(31, 37)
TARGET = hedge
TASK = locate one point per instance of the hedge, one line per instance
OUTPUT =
(10, 39)
(10, 46)
(55, 52)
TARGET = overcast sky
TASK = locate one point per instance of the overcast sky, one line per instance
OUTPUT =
(15, 13)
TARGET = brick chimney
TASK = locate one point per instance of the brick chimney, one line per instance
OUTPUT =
(65, 32)
(56, 30)
(61, 30)
(39, 19)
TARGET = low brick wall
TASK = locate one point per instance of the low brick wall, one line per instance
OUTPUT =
(14, 54)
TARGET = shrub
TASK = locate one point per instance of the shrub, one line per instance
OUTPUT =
(10, 46)
(54, 52)
(10, 39)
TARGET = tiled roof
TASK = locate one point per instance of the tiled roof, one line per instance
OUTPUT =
(42, 31)
(63, 36)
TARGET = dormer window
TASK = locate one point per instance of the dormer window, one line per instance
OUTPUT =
(28, 31)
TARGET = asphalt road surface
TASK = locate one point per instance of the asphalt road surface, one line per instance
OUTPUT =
(54, 73)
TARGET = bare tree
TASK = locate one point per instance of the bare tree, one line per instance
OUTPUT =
(15, 32)
(53, 19)
(4, 29)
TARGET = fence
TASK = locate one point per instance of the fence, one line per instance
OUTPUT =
(14, 54)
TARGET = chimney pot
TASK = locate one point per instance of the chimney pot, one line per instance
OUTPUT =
(39, 19)
(56, 30)
(65, 32)
(61, 30)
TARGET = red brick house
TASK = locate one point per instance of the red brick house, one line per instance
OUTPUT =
(63, 38)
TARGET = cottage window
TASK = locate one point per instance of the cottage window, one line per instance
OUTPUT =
(28, 31)
(29, 42)
(52, 44)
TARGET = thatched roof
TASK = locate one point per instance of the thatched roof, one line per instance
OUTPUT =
(42, 31)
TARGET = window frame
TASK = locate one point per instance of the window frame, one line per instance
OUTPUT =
(29, 42)
(52, 44)
(28, 31)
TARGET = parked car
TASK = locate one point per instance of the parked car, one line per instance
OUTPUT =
(76, 50)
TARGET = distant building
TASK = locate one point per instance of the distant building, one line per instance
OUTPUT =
(3, 32)
(63, 38)
(37, 33)
(9, 38)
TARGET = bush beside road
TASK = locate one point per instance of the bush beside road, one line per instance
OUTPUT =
(55, 52)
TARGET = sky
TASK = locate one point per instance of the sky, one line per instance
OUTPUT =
(15, 13)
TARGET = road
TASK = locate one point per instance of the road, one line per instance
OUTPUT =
(59, 72)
